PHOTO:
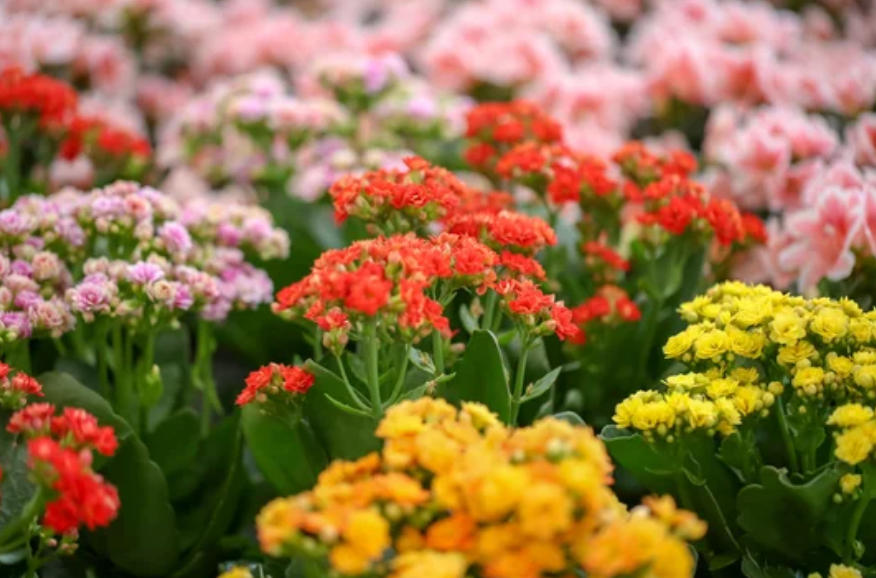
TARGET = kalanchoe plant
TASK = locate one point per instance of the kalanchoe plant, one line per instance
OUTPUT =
(457, 493)
(67, 492)
(644, 231)
(775, 413)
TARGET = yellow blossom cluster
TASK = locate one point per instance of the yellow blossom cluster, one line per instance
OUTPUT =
(749, 344)
(840, 571)
(455, 493)
(856, 438)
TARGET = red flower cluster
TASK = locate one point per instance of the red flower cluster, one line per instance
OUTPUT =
(503, 124)
(505, 230)
(399, 201)
(74, 427)
(60, 457)
(677, 205)
(643, 166)
(14, 391)
(611, 304)
(99, 139)
(390, 278)
(50, 100)
(537, 313)
(273, 379)
(604, 263)
(83, 497)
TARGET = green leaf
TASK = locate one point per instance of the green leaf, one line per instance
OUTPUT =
(346, 408)
(175, 442)
(289, 457)
(480, 376)
(469, 323)
(569, 416)
(143, 539)
(637, 455)
(343, 436)
(784, 516)
(221, 504)
(542, 385)
(15, 489)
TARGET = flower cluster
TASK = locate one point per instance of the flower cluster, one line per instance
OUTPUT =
(454, 492)
(15, 389)
(390, 279)
(398, 201)
(275, 380)
(856, 439)
(536, 312)
(35, 96)
(60, 449)
(749, 346)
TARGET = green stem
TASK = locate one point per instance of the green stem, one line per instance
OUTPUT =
(490, 309)
(371, 348)
(121, 370)
(12, 163)
(684, 494)
(354, 395)
(147, 360)
(857, 516)
(400, 380)
(437, 353)
(101, 354)
(203, 374)
(519, 378)
(317, 345)
(786, 436)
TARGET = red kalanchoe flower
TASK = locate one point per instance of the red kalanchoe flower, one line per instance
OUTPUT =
(505, 230)
(605, 254)
(398, 200)
(272, 379)
(725, 220)
(536, 312)
(52, 101)
(755, 230)
(84, 430)
(610, 304)
(565, 327)
(511, 122)
(523, 265)
(34, 419)
(83, 498)
(14, 392)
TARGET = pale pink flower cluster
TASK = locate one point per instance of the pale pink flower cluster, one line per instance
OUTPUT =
(514, 43)
(706, 52)
(61, 44)
(765, 156)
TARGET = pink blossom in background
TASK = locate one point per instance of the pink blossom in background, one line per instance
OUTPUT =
(823, 237)
(861, 138)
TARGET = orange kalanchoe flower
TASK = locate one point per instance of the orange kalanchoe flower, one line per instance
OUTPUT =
(505, 230)
(398, 201)
(534, 311)
(388, 278)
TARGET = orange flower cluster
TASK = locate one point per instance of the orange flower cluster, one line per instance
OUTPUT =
(455, 493)
(504, 230)
(51, 101)
(611, 304)
(396, 201)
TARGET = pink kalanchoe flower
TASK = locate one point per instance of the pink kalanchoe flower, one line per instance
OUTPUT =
(861, 138)
(823, 237)
(143, 273)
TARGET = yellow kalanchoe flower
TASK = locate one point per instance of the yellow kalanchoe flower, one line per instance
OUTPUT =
(517, 503)
(850, 482)
(237, 572)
